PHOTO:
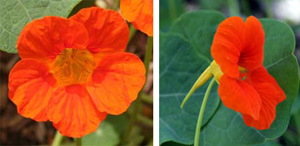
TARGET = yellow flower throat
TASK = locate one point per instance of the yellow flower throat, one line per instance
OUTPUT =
(73, 66)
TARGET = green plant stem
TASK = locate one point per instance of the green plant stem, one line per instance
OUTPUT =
(146, 98)
(148, 54)
(78, 141)
(233, 7)
(201, 113)
(57, 139)
(133, 118)
(136, 108)
(143, 119)
(268, 8)
(172, 9)
(116, 6)
(132, 32)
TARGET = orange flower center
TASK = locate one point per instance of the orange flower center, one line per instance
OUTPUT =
(73, 66)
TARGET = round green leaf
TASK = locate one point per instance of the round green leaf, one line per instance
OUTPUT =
(15, 14)
(296, 105)
(225, 127)
(181, 63)
(108, 133)
(270, 143)
(104, 135)
(198, 28)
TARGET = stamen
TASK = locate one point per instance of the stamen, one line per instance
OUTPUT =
(73, 66)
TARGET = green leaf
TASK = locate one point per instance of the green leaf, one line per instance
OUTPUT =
(181, 63)
(15, 14)
(296, 105)
(198, 28)
(83, 4)
(169, 10)
(270, 143)
(104, 135)
(171, 143)
(184, 55)
(108, 133)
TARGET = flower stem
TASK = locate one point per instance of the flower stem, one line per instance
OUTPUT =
(132, 120)
(268, 4)
(201, 114)
(148, 54)
(233, 6)
(117, 4)
(57, 139)
(146, 98)
(78, 141)
(172, 10)
(132, 32)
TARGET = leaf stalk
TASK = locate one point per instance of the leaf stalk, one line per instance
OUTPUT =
(201, 113)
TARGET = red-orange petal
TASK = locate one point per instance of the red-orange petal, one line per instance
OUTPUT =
(270, 94)
(238, 43)
(45, 38)
(239, 96)
(131, 8)
(252, 53)
(72, 111)
(30, 88)
(227, 45)
(140, 13)
(116, 82)
(108, 31)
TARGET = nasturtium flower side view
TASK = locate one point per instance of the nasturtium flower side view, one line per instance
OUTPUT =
(139, 13)
(246, 86)
(73, 72)
(244, 83)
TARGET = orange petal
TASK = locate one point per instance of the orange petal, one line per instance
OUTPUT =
(131, 8)
(227, 45)
(239, 96)
(108, 31)
(72, 111)
(271, 95)
(252, 54)
(30, 88)
(140, 13)
(45, 38)
(116, 82)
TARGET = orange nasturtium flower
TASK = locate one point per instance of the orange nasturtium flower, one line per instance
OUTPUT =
(139, 13)
(244, 83)
(73, 72)
(245, 86)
